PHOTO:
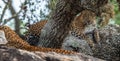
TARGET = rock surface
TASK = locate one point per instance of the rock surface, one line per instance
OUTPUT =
(13, 54)
(107, 48)
(2, 37)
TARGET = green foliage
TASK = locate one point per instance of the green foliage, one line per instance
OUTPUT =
(117, 18)
(117, 12)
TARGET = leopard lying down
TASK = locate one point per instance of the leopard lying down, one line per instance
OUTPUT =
(15, 41)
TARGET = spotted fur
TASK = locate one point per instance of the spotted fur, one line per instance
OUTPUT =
(32, 35)
(84, 19)
(15, 41)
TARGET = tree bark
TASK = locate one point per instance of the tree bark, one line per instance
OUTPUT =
(57, 28)
(16, 19)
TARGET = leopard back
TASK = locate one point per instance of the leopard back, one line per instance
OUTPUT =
(13, 38)
(33, 33)
(36, 27)
(15, 41)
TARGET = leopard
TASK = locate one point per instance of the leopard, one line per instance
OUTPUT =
(87, 17)
(34, 28)
(84, 20)
(15, 41)
(33, 32)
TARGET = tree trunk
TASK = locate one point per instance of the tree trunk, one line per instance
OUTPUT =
(57, 28)
(16, 19)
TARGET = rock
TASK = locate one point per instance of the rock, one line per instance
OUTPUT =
(13, 54)
(2, 37)
(107, 48)
(75, 44)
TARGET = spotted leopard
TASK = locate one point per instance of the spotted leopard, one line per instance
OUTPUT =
(32, 35)
(84, 19)
(15, 41)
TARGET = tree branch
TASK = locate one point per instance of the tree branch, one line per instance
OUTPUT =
(13, 16)
(3, 13)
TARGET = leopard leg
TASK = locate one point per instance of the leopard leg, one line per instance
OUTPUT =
(93, 38)
(96, 36)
